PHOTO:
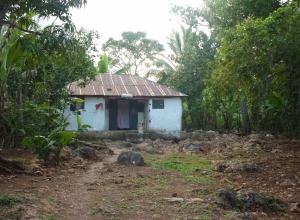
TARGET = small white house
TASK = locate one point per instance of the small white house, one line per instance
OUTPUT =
(126, 102)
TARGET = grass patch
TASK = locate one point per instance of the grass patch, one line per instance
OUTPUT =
(8, 200)
(8, 211)
(47, 217)
(139, 192)
(94, 211)
(24, 161)
(181, 163)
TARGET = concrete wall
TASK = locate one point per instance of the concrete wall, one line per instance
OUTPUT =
(159, 120)
(90, 116)
(167, 119)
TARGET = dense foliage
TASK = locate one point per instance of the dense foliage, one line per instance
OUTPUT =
(37, 64)
(246, 72)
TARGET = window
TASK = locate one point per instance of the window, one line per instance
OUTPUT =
(158, 104)
(76, 106)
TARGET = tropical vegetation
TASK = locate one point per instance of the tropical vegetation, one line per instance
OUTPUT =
(237, 60)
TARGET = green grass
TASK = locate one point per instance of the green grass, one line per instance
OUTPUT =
(181, 163)
(24, 161)
(8, 200)
(94, 211)
(47, 217)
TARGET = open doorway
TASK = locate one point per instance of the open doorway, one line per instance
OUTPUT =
(123, 114)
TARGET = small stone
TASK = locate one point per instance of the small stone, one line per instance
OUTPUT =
(118, 181)
(295, 207)
(139, 175)
(66, 165)
(39, 173)
(287, 183)
(33, 161)
(71, 170)
(157, 216)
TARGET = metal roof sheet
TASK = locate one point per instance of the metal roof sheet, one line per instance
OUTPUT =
(116, 85)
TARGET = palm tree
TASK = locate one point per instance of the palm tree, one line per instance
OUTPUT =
(166, 66)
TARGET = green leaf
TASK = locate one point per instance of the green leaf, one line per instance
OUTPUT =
(86, 126)
(66, 137)
(276, 100)
(79, 121)
(123, 70)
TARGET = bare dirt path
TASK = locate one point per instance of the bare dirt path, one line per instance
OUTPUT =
(103, 189)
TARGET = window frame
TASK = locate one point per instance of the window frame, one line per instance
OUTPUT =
(158, 104)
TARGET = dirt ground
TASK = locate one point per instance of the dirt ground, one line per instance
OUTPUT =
(102, 189)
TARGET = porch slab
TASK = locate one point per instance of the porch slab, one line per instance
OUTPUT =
(136, 137)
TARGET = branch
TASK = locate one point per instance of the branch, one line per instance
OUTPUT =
(15, 25)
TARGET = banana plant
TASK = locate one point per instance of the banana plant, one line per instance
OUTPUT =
(81, 128)
(53, 143)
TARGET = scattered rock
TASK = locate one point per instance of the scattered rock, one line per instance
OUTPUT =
(157, 216)
(35, 160)
(98, 146)
(200, 190)
(139, 175)
(256, 137)
(227, 199)
(136, 149)
(85, 153)
(148, 141)
(248, 200)
(175, 140)
(126, 144)
(154, 151)
(38, 173)
(189, 147)
(71, 170)
(217, 147)
(118, 180)
(33, 168)
(238, 167)
(295, 207)
(288, 180)
(131, 158)
(248, 146)
(159, 143)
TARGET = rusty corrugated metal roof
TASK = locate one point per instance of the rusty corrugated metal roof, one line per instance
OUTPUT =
(116, 85)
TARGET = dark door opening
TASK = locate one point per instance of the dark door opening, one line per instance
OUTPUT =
(123, 114)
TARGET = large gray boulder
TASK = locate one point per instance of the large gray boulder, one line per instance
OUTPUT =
(85, 153)
(131, 158)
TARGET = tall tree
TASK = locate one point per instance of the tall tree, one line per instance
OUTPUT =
(224, 16)
(133, 51)
(261, 55)
(166, 66)
(43, 60)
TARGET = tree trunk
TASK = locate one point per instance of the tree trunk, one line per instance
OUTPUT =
(245, 115)
(3, 109)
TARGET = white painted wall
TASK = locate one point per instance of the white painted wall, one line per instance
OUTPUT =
(90, 116)
(167, 119)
